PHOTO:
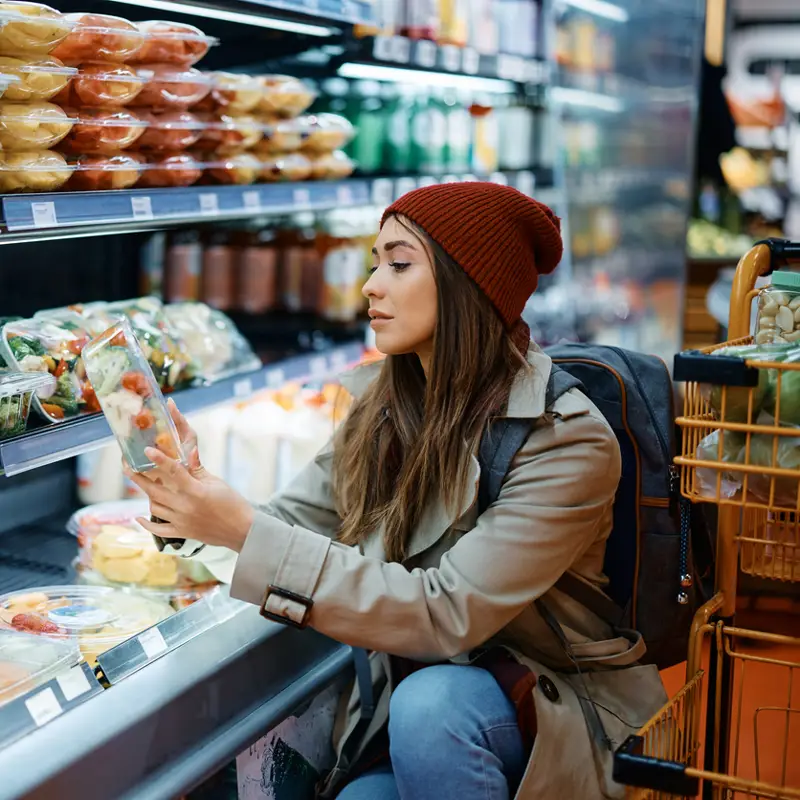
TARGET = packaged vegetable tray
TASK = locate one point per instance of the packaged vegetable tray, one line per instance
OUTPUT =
(28, 661)
(103, 85)
(93, 173)
(32, 126)
(161, 170)
(33, 171)
(239, 169)
(225, 133)
(99, 37)
(284, 95)
(168, 131)
(101, 131)
(37, 78)
(94, 618)
(17, 389)
(231, 93)
(171, 87)
(31, 28)
(172, 43)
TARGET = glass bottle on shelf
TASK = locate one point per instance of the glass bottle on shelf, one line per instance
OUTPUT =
(183, 266)
(369, 120)
(485, 136)
(219, 271)
(258, 272)
(459, 131)
(400, 110)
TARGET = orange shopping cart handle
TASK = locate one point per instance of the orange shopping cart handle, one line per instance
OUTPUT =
(632, 768)
(694, 366)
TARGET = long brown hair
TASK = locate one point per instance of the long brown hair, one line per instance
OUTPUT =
(408, 438)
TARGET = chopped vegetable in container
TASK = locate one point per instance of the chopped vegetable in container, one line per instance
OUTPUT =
(100, 37)
(31, 28)
(172, 43)
(37, 77)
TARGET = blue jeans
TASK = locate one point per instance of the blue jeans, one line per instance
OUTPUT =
(453, 735)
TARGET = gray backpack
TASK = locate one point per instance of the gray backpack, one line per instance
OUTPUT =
(654, 584)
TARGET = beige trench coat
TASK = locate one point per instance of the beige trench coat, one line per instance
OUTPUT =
(471, 579)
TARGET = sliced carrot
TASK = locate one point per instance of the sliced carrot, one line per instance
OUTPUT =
(53, 410)
(90, 398)
(118, 340)
(166, 444)
(136, 382)
(144, 420)
(60, 369)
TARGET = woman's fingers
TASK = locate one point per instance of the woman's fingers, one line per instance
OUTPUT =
(166, 530)
(185, 430)
(171, 472)
(161, 511)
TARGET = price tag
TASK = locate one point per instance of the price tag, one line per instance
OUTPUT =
(243, 388)
(427, 180)
(318, 367)
(405, 185)
(451, 179)
(400, 49)
(44, 215)
(382, 192)
(535, 71)
(209, 204)
(338, 360)
(470, 61)
(73, 683)
(451, 58)
(302, 198)
(275, 378)
(382, 48)
(252, 199)
(425, 55)
(499, 178)
(153, 643)
(344, 196)
(526, 183)
(142, 207)
(510, 68)
(43, 707)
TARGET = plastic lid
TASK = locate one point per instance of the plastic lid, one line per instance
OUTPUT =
(35, 66)
(786, 279)
(120, 162)
(32, 161)
(173, 73)
(180, 31)
(26, 661)
(35, 112)
(173, 120)
(24, 11)
(102, 24)
(118, 73)
(111, 512)
(106, 118)
(18, 383)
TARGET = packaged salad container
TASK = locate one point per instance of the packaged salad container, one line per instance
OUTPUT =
(99, 37)
(103, 85)
(94, 618)
(16, 392)
(169, 131)
(32, 126)
(168, 169)
(171, 87)
(28, 661)
(52, 346)
(172, 43)
(130, 396)
(326, 133)
(285, 167)
(240, 169)
(37, 78)
(97, 172)
(228, 133)
(283, 95)
(33, 171)
(231, 93)
(215, 345)
(332, 166)
(101, 131)
(30, 28)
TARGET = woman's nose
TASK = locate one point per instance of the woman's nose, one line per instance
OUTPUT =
(372, 287)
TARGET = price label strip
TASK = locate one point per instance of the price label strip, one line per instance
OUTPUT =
(425, 55)
(142, 208)
(209, 204)
(44, 215)
(382, 192)
(252, 200)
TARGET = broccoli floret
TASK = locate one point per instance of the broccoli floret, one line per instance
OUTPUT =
(22, 346)
(64, 395)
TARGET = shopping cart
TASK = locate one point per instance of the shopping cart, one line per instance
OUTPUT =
(698, 745)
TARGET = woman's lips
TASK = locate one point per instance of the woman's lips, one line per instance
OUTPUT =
(379, 322)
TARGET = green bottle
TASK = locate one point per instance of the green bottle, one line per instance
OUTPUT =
(459, 131)
(400, 110)
(369, 120)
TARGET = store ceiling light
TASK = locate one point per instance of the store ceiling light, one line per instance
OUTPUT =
(378, 72)
(226, 15)
(579, 97)
(600, 8)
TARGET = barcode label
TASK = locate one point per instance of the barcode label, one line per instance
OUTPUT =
(382, 48)
(44, 215)
(400, 49)
(152, 643)
(426, 54)
(302, 198)
(382, 192)
(142, 207)
(451, 58)
(209, 203)
(252, 199)
(43, 707)
(470, 61)
(243, 388)
(73, 683)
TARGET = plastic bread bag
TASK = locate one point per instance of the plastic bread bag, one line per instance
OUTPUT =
(730, 482)
(774, 451)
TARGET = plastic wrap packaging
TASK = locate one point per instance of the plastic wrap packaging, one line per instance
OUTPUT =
(228, 134)
(332, 166)
(172, 43)
(32, 126)
(174, 169)
(708, 450)
(169, 131)
(97, 172)
(326, 133)
(282, 136)
(33, 171)
(103, 85)
(285, 167)
(99, 37)
(52, 346)
(37, 78)
(171, 87)
(96, 618)
(30, 28)
(284, 96)
(239, 170)
(16, 393)
(232, 93)
(216, 347)
(99, 131)
(28, 661)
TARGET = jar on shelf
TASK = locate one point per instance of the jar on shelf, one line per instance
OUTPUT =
(257, 272)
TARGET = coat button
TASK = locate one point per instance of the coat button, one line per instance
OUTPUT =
(549, 689)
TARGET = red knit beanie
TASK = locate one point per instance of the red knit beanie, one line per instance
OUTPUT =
(500, 237)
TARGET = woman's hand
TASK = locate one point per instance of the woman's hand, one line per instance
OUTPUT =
(194, 503)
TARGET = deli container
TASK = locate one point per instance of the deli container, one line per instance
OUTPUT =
(240, 170)
(168, 86)
(37, 78)
(332, 166)
(130, 397)
(283, 136)
(99, 37)
(172, 43)
(28, 661)
(285, 167)
(213, 342)
(326, 133)
(174, 169)
(284, 96)
(168, 131)
(228, 133)
(107, 171)
(101, 131)
(778, 318)
(93, 618)
(231, 93)
(30, 28)
(103, 85)
(16, 392)
(32, 126)
(53, 346)
(33, 171)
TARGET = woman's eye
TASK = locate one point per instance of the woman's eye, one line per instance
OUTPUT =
(399, 266)
(373, 269)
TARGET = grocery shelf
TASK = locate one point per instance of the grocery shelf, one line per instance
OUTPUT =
(59, 441)
(588, 185)
(349, 11)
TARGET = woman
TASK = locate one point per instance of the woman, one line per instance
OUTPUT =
(379, 543)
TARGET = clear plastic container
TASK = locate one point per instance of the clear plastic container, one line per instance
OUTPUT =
(52, 346)
(97, 172)
(779, 310)
(37, 77)
(283, 136)
(32, 126)
(169, 131)
(231, 93)
(30, 28)
(16, 392)
(174, 169)
(103, 85)
(332, 166)
(171, 87)
(326, 133)
(28, 661)
(285, 167)
(240, 169)
(130, 396)
(33, 171)
(96, 618)
(284, 96)
(101, 131)
(99, 37)
(215, 345)
(173, 43)
(226, 133)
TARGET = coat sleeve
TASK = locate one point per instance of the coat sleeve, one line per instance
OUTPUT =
(548, 513)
